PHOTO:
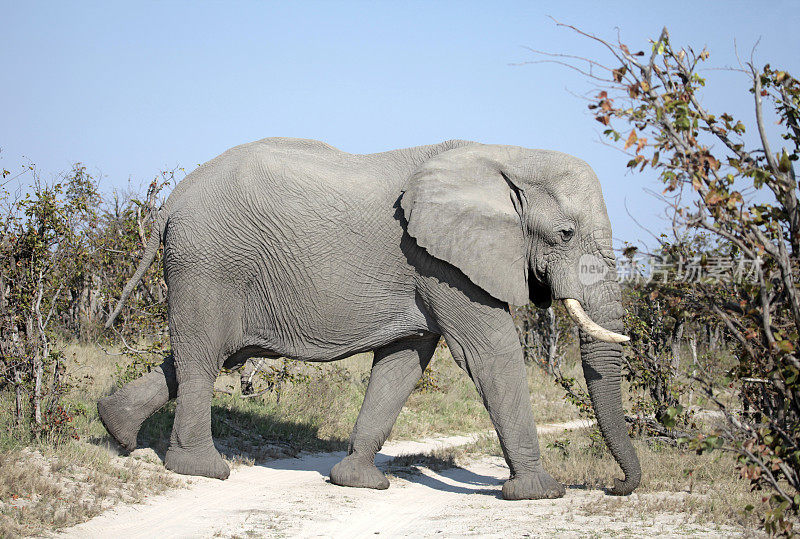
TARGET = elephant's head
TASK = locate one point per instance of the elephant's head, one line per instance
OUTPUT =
(531, 225)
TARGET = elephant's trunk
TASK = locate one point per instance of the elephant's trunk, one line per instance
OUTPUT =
(602, 365)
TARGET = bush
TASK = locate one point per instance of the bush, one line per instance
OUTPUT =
(650, 102)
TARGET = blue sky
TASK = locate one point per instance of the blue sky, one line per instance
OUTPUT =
(129, 89)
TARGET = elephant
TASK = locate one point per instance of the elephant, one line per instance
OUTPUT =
(293, 248)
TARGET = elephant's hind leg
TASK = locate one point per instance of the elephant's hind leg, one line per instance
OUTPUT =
(396, 369)
(204, 324)
(124, 411)
(191, 447)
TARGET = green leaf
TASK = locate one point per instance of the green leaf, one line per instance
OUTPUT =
(656, 156)
(670, 415)
(784, 163)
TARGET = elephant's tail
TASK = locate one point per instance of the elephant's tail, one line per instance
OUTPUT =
(150, 251)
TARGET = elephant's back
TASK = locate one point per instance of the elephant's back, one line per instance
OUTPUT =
(231, 161)
(273, 166)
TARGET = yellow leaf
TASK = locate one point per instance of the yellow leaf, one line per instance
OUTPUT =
(631, 139)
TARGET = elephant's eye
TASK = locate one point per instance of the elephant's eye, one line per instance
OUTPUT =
(567, 234)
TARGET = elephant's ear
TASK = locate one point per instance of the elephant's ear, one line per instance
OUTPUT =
(462, 210)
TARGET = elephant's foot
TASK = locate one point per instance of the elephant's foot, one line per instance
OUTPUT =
(124, 411)
(121, 422)
(533, 486)
(355, 471)
(206, 462)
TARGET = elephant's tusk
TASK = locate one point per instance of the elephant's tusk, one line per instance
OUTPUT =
(591, 327)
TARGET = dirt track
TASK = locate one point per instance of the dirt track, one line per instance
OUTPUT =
(293, 497)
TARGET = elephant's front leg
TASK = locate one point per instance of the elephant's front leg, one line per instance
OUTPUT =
(482, 338)
(502, 384)
(396, 370)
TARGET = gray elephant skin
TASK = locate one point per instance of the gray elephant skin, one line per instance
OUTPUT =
(293, 248)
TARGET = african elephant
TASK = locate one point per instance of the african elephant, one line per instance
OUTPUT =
(292, 248)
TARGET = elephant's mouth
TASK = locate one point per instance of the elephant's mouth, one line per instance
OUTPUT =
(589, 326)
(539, 294)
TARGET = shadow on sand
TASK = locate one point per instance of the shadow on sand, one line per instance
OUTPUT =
(240, 434)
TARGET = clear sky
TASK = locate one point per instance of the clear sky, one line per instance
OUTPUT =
(129, 89)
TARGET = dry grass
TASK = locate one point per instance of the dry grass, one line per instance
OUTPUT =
(452, 408)
(45, 488)
(91, 369)
(457, 408)
(311, 416)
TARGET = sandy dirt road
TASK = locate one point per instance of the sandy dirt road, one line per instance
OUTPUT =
(293, 498)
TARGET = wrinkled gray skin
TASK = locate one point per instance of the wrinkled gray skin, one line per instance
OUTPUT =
(292, 248)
